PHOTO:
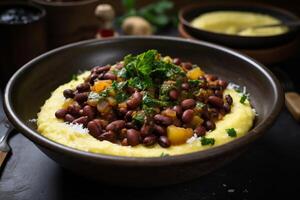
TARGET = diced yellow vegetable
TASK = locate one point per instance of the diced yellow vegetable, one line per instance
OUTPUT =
(178, 135)
(169, 113)
(101, 85)
(67, 102)
(111, 101)
(195, 73)
(196, 121)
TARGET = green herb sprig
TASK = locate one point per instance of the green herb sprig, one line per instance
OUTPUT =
(231, 132)
(155, 13)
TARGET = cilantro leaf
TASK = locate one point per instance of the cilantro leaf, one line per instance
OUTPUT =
(207, 141)
(142, 69)
(194, 83)
(138, 118)
(121, 96)
(163, 154)
(243, 98)
(75, 77)
(152, 102)
(231, 132)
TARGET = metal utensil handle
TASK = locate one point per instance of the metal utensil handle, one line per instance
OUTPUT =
(3, 137)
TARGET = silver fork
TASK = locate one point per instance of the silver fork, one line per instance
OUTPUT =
(4, 147)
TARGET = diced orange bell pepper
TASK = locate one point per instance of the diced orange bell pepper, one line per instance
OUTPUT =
(101, 85)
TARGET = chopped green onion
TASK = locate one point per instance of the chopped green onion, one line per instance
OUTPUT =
(163, 154)
(207, 141)
(231, 132)
(243, 98)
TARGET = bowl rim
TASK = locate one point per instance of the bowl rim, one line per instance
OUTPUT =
(188, 8)
(208, 154)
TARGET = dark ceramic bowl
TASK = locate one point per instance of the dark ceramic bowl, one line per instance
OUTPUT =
(187, 14)
(29, 87)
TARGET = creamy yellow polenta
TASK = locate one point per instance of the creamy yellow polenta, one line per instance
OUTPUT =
(240, 118)
(238, 23)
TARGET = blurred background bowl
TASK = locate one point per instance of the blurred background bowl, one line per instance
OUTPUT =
(188, 13)
(22, 41)
(69, 21)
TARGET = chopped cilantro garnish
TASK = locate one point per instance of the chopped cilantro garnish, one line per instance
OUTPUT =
(94, 96)
(75, 77)
(207, 141)
(200, 105)
(152, 102)
(194, 83)
(148, 110)
(118, 85)
(163, 154)
(142, 69)
(231, 132)
(138, 118)
(243, 98)
(121, 96)
(238, 90)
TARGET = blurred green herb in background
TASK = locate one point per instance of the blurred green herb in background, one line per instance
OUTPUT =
(155, 13)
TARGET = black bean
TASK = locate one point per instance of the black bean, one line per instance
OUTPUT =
(83, 87)
(100, 69)
(81, 120)
(123, 111)
(124, 142)
(210, 77)
(130, 90)
(185, 86)
(74, 109)
(187, 116)
(178, 110)
(68, 93)
(93, 78)
(60, 114)
(128, 115)
(209, 125)
(223, 84)
(81, 97)
(188, 103)
(176, 61)
(187, 65)
(164, 120)
(109, 136)
(94, 128)
(200, 131)
(134, 101)
(228, 99)
(218, 93)
(146, 130)
(110, 116)
(69, 118)
(150, 140)
(133, 137)
(123, 133)
(164, 142)
(226, 107)
(110, 76)
(115, 125)
(89, 111)
(130, 125)
(174, 94)
(216, 101)
(159, 130)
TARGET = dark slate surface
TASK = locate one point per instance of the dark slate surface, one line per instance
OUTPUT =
(269, 169)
